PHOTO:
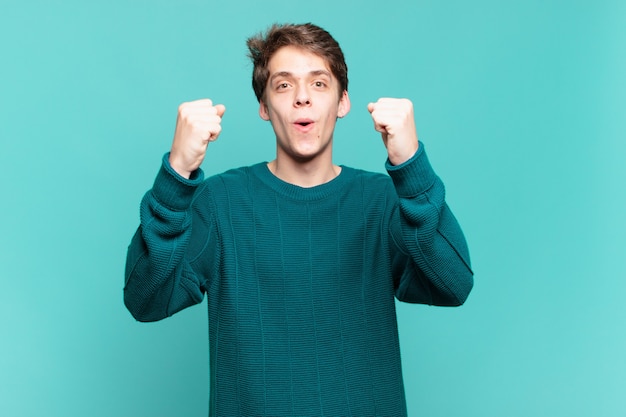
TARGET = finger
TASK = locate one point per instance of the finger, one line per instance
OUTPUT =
(205, 102)
(221, 109)
(380, 128)
(211, 132)
(379, 124)
(206, 136)
(215, 133)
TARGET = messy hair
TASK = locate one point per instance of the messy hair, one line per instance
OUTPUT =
(307, 36)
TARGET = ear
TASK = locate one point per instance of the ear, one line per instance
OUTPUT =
(344, 104)
(264, 111)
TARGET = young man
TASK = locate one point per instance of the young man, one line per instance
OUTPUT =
(300, 258)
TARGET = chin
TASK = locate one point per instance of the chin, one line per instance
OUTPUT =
(304, 158)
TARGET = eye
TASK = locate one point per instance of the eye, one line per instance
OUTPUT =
(320, 84)
(282, 86)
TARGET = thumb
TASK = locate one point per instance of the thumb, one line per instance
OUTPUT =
(221, 109)
(370, 107)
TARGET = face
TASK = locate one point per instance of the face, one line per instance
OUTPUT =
(302, 102)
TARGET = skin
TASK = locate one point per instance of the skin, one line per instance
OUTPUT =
(198, 124)
(302, 102)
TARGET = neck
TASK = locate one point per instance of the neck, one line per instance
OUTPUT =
(304, 174)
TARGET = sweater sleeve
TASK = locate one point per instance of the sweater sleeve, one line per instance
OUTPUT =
(432, 264)
(159, 278)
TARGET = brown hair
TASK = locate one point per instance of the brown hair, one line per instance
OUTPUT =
(307, 36)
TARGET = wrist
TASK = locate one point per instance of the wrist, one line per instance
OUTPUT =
(176, 166)
(414, 176)
(399, 158)
(172, 190)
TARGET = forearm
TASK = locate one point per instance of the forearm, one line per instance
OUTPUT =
(159, 280)
(429, 233)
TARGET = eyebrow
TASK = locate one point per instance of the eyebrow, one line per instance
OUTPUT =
(287, 74)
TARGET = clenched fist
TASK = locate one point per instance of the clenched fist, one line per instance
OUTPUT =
(394, 119)
(198, 123)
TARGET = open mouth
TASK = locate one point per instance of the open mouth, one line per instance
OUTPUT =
(304, 122)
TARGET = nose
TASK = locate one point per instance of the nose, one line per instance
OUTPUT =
(302, 98)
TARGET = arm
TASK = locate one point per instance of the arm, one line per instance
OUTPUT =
(160, 279)
(431, 264)
(437, 269)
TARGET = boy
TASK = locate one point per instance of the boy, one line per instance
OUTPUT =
(300, 258)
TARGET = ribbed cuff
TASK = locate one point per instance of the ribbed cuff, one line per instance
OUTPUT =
(172, 190)
(413, 177)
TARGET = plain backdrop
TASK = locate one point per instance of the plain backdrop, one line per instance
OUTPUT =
(520, 104)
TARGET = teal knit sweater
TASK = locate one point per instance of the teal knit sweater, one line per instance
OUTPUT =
(300, 281)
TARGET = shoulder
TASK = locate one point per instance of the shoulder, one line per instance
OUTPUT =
(220, 188)
(372, 185)
(231, 178)
(369, 179)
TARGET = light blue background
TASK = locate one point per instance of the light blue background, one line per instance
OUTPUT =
(522, 106)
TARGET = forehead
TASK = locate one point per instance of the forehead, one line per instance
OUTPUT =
(296, 60)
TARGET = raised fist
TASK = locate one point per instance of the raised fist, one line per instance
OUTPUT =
(394, 119)
(198, 123)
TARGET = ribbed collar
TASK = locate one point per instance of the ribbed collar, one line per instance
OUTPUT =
(263, 173)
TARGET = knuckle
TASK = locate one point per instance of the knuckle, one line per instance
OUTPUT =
(184, 111)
